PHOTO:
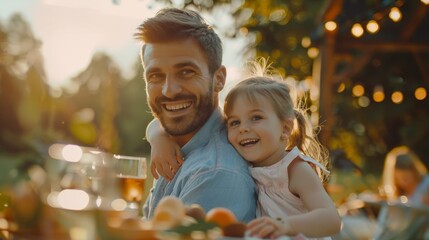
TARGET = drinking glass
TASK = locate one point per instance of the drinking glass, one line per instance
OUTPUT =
(131, 172)
(78, 189)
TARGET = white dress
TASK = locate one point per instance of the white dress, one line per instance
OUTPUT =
(274, 198)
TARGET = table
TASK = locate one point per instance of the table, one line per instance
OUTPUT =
(398, 220)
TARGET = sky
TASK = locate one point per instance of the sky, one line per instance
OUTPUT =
(71, 31)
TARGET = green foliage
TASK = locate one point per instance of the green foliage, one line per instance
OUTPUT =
(278, 28)
(344, 184)
(134, 115)
(381, 126)
(105, 111)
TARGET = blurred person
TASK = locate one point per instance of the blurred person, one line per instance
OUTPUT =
(405, 185)
(405, 175)
(182, 60)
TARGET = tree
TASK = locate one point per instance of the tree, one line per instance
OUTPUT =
(23, 92)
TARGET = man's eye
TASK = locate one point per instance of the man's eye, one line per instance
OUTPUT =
(154, 77)
(187, 72)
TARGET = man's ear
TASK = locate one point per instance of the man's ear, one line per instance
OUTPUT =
(220, 78)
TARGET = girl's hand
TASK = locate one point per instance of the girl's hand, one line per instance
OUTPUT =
(166, 157)
(265, 227)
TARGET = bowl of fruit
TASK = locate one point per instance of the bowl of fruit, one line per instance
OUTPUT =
(173, 219)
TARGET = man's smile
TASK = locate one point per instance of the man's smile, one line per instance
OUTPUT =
(173, 107)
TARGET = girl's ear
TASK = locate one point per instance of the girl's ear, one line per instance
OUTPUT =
(287, 129)
(220, 78)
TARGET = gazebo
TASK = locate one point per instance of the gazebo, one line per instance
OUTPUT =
(359, 36)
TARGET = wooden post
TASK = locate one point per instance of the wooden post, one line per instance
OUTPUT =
(323, 74)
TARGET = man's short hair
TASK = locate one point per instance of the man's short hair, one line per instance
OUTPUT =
(171, 24)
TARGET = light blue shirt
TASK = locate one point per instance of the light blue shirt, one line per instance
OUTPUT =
(212, 175)
(421, 192)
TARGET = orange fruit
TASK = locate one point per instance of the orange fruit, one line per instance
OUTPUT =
(221, 216)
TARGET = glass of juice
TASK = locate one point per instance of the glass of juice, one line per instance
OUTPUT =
(131, 173)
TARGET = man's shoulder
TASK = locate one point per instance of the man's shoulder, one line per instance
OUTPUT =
(223, 148)
(218, 155)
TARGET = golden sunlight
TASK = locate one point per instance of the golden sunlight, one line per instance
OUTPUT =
(82, 28)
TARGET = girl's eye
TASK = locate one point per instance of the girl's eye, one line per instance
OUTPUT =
(256, 118)
(233, 123)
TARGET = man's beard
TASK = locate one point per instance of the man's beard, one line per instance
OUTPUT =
(188, 123)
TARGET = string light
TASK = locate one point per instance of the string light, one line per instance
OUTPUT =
(372, 26)
(364, 101)
(357, 30)
(420, 93)
(397, 97)
(358, 90)
(313, 52)
(330, 26)
(378, 94)
(341, 88)
(305, 42)
(395, 14)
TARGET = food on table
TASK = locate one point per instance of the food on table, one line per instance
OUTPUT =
(172, 216)
(221, 216)
(237, 229)
(196, 211)
(169, 213)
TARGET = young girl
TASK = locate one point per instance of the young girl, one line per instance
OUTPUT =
(268, 131)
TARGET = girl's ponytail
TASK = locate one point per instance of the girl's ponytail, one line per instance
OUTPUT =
(304, 137)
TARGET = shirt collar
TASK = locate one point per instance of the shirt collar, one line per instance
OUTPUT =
(213, 124)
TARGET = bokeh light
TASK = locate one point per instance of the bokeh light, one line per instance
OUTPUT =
(364, 101)
(341, 88)
(305, 42)
(119, 204)
(330, 26)
(358, 90)
(72, 153)
(378, 94)
(395, 14)
(420, 93)
(73, 199)
(313, 52)
(372, 26)
(357, 30)
(397, 97)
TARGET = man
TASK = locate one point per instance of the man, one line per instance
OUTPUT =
(182, 59)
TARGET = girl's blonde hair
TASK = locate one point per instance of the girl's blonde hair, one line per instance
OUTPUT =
(278, 93)
(402, 158)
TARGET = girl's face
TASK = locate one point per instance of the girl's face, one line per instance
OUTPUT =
(406, 181)
(256, 131)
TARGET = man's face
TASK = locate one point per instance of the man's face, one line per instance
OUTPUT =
(179, 85)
